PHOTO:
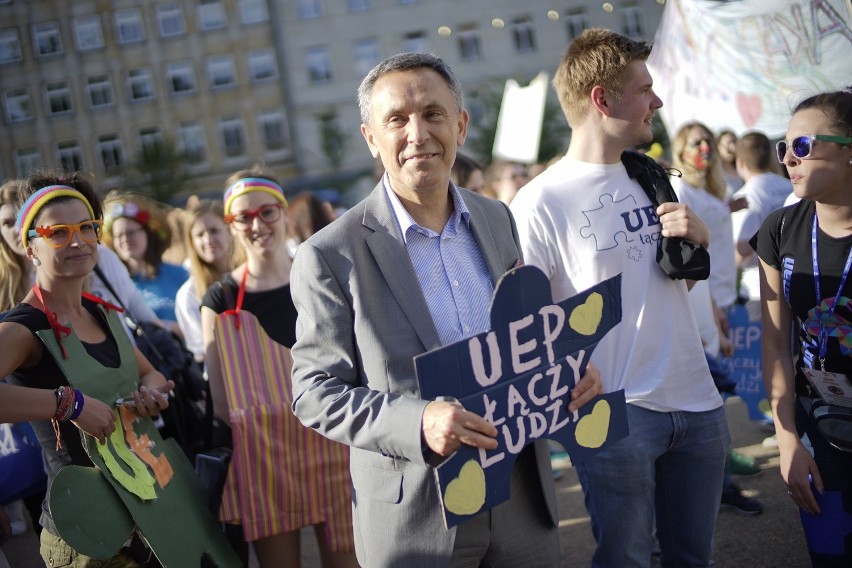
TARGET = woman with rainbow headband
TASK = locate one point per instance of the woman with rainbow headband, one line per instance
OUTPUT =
(283, 476)
(59, 230)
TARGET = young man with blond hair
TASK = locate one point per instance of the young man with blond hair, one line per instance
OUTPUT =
(584, 220)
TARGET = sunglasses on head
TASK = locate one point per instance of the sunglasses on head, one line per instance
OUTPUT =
(801, 146)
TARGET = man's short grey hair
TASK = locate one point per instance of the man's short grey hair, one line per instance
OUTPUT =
(406, 62)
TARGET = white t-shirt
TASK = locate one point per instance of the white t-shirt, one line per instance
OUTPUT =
(582, 223)
(118, 277)
(188, 314)
(765, 193)
(717, 216)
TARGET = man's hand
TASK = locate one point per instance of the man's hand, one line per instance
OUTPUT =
(678, 220)
(588, 387)
(447, 425)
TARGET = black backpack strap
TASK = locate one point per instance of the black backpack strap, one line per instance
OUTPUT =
(650, 175)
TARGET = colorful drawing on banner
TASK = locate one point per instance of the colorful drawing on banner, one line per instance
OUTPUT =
(746, 332)
(519, 376)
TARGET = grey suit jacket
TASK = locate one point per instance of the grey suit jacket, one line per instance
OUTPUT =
(362, 319)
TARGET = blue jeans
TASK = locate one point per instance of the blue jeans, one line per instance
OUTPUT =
(671, 463)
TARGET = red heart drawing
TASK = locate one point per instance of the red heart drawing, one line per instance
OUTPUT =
(750, 108)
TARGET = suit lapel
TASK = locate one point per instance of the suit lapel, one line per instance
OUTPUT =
(392, 258)
(485, 238)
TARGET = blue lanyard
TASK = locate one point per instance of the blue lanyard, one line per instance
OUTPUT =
(823, 333)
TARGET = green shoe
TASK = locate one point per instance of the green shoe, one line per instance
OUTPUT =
(742, 465)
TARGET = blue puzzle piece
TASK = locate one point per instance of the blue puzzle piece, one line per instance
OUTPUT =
(519, 376)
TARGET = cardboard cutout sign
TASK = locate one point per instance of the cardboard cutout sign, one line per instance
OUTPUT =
(140, 481)
(519, 376)
(746, 331)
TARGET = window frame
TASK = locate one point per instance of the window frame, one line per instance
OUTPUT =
(24, 94)
(50, 29)
(80, 28)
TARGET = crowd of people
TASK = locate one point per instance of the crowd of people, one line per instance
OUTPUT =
(307, 325)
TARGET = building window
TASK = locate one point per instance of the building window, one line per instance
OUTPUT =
(575, 22)
(233, 133)
(149, 137)
(112, 154)
(221, 71)
(27, 160)
(359, 5)
(367, 54)
(181, 77)
(128, 26)
(139, 84)
(262, 65)
(170, 19)
(273, 128)
(211, 14)
(310, 9)
(523, 35)
(631, 17)
(18, 106)
(87, 32)
(10, 46)
(69, 156)
(190, 141)
(470, 43)
(415, 42)
(407, 1)
(58, 97)
(47, 39)
(318, 63)
(99, 88)
(252, 11)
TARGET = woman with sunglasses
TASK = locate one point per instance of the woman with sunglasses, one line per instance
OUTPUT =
(283, 476)
(59, 232)
(805, 253)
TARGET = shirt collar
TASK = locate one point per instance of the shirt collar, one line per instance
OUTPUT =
(403, 217)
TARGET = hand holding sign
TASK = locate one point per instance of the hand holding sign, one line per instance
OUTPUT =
(526, 378)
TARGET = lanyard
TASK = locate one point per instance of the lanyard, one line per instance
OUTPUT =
(823, 333)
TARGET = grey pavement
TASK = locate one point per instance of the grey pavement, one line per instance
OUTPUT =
(771, 540)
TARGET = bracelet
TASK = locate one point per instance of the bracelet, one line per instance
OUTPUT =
(64, 404)
(78, 405)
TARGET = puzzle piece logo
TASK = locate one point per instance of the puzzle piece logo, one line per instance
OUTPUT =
(518, 376)
(634, 253)
(601, 220)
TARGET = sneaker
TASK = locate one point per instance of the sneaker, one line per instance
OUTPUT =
(742, 465)
(770, 442)
(733, 498)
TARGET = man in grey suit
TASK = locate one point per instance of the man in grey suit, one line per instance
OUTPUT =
(407, 270)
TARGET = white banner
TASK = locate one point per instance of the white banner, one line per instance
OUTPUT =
(519, 121)
(744, 64)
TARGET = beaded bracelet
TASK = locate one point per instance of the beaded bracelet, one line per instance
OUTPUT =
(64, 404)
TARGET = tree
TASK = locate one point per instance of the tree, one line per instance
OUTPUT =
(332, 138)
(158, 171)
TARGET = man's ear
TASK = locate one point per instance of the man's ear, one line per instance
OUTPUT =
(464, 118)
(599, 100)
(368, 136)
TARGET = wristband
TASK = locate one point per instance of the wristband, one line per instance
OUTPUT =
(78, 405)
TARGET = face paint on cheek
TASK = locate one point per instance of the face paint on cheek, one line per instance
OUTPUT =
(701, 161)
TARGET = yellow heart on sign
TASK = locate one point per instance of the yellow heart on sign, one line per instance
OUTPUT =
(592, 429)
(586, 317)
(465, 495)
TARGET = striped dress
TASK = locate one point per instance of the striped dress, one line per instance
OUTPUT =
(283, 476)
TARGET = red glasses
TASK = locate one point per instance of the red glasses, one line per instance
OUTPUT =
(268, 214)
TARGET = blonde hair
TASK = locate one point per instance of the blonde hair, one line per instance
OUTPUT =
(203, 273)
(14, 273)
(712, 180)
(595, 57)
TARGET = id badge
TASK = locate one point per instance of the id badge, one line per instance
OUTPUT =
(834, 388)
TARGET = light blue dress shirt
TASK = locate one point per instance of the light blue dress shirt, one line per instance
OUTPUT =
(450, 268)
